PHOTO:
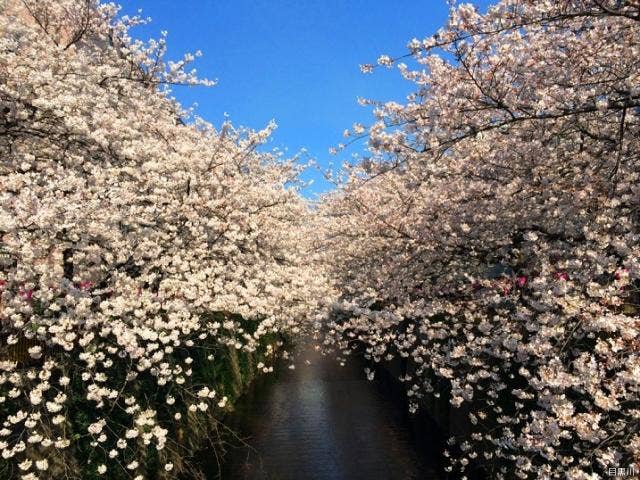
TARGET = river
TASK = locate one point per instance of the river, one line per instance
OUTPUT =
(323, 421)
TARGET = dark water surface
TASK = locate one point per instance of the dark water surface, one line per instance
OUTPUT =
(322, 421)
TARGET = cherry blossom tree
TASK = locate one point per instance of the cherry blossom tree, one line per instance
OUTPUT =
(138, 242)
(491, 236)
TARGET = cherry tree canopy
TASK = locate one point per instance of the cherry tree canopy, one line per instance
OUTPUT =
(492, 235)
(490, 238)
(125, 223)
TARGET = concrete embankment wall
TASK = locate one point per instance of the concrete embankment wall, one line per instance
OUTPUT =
(436, 419)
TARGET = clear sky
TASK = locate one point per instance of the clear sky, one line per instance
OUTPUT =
(295, 61)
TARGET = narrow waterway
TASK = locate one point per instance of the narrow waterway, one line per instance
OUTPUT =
(322, 421)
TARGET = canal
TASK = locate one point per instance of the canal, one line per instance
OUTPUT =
(322, 421)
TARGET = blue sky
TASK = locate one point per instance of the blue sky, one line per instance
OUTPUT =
(293, 61)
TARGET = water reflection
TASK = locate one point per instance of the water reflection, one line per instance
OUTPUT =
(322, 421)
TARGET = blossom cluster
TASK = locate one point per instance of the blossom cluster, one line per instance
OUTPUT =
(491, 238)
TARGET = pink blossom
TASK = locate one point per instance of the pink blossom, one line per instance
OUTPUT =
(623, 272)
(26, 294)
